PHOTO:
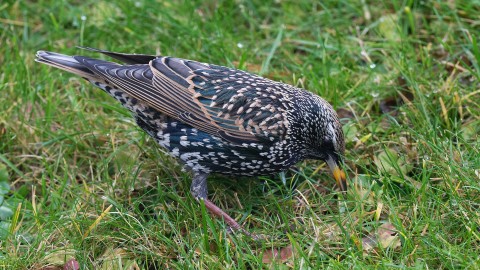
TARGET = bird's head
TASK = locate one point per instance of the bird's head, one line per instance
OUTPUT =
(323, 136)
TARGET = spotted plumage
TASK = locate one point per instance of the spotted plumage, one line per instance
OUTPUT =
(216, 119)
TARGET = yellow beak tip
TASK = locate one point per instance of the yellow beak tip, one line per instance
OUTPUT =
(340, 177)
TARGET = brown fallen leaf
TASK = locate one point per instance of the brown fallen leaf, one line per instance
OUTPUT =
(71, 265)
(344, 113)
(389, 105)
(386, 237)
(275, 255)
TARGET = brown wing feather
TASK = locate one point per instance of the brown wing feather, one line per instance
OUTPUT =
(232, 104)
(239, 106)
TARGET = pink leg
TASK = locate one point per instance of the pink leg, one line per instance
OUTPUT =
(199, 191)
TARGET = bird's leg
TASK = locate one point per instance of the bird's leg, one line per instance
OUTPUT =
(199, 186)
(199, 191)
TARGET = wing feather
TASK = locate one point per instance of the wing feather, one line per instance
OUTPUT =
(232, 104)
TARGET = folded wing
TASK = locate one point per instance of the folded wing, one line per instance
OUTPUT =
(232, 104)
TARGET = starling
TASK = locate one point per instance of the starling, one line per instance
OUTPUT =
(216, 119)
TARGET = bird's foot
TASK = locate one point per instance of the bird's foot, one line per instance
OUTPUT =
(233, 225)
(199, 191)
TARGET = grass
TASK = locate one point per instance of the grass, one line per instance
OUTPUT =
(79, 180)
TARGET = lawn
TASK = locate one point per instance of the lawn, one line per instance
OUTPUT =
(81, 183)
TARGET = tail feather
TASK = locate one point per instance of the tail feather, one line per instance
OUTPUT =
(131, 59)
(65, 62)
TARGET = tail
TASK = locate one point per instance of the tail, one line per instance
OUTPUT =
(70, 64)
(130, 59)
(65, 62)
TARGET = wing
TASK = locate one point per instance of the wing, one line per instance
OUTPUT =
(241, 103)
(232, 104)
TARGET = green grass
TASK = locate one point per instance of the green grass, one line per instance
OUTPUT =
(79, 180)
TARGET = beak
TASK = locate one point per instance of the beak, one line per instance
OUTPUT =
(338, 174)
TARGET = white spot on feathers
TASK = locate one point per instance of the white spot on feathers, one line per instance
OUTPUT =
(184, 141)
(164, 140)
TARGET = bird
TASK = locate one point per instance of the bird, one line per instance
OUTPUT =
(215, 119)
